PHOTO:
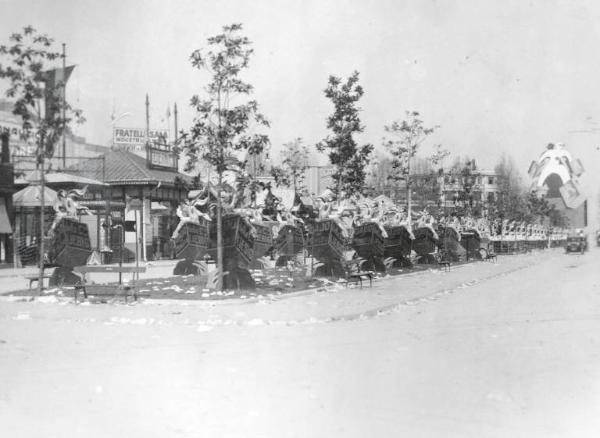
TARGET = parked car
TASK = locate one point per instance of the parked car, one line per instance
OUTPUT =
(577, 244)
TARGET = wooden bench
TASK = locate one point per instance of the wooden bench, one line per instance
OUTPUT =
(126, 290)
(442, 261)
(444, 264)
(491, 257)
(36, 278)
(354, 272)
(357, 277)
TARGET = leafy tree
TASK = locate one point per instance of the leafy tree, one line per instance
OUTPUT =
(510, 203)
(223, 121)
(406, 138)
(27, 66)
(464, 173)
(28, 57)
(293, 166)
(257, 164)
(558, 218)
(539, 210)
(439, 155)
(281, 177)
(348, 158)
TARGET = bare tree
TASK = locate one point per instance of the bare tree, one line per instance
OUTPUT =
(406, 138)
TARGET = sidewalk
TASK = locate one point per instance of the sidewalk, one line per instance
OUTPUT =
(336, 303)
(12, 279)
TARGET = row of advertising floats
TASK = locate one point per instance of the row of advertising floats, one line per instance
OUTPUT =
(248, 240)
(372, 231)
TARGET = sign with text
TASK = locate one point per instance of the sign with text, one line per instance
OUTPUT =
(136, 138)
(192, 241)
(21, 142)
(162, 158)
(70, 245)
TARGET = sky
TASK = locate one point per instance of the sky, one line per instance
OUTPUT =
(495, 76)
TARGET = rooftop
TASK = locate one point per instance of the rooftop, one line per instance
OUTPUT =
(124, 168)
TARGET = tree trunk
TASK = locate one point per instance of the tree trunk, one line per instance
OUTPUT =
(219, 202)
(42, 220)
(408, 197)
(219, 234)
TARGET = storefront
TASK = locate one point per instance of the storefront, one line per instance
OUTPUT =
(141, 200)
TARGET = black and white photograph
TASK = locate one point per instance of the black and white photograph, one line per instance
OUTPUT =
(299, 218)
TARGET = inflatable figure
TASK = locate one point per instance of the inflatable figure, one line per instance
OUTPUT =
(67, 206)
(556, 161)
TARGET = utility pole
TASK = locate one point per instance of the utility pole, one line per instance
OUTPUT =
(142, 222)
(64, 100)
(147, 120)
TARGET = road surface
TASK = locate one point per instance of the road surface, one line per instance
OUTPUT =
(488, 350)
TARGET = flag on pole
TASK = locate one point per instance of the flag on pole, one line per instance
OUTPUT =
(55, 81)
(58, 76)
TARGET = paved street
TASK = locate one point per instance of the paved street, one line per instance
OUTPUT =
(488, 350)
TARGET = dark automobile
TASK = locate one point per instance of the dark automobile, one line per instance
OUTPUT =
(577, 244)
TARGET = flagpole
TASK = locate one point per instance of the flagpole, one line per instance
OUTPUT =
(147, 119)
(175, 116)
(42, 216)
(142, 236)
(64, 99)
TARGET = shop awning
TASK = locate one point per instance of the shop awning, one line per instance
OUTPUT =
(59, 178)
(5, 227)
(30, 196)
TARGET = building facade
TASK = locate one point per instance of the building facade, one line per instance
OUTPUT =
(144, 192)
(446, 192)
(7, 188)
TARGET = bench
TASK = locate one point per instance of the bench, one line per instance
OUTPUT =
(357, 277)
(36, 278)
(442, 261)
(491, 257)
(444, 264)
(125, 290)
(354, 272)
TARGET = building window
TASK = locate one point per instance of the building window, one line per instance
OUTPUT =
(490, 180)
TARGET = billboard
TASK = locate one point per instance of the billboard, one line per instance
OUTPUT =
(21, 144)
(162, 158)
(134, 139)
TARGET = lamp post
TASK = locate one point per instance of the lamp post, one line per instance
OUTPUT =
(121, 116)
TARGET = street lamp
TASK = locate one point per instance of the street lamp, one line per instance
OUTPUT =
(116, 119)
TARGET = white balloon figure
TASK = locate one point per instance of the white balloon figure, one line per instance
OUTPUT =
(67, 206)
